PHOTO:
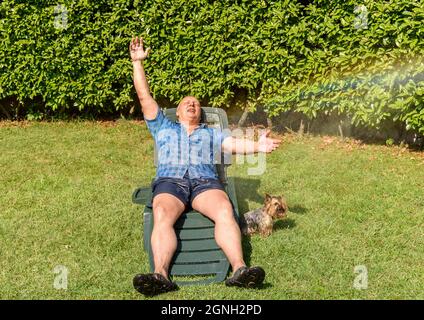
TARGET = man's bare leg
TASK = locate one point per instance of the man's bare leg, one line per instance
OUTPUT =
(216, 206)
(166, 211)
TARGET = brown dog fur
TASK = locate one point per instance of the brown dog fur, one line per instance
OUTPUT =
(262, 220)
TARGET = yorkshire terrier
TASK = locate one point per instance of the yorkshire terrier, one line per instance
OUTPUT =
(262, 220)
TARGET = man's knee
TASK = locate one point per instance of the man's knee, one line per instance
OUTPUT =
(224, 214)
(164, 214)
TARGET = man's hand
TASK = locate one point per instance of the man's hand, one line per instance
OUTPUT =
(266, 144)
(137, 51)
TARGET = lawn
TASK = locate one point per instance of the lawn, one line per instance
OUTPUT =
(65, 200)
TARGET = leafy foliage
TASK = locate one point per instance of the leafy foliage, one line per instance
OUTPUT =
(372, 70)
(310, 56)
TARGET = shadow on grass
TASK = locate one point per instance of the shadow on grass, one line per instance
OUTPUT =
(247, 189)
(298, 209)
(247, 249)
(284, 224)
(266, 285)
(278, 225)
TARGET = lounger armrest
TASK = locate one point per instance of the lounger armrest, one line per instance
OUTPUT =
(141, 195)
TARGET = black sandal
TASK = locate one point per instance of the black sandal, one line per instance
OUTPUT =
(152, 284)
(246, 277)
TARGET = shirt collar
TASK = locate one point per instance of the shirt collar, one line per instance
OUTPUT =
(201, 125)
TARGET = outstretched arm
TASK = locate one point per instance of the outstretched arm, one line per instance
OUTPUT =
(149, 107)
(246, 146)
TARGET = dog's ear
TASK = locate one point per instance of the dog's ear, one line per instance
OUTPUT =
(267, 197)
(284, 202)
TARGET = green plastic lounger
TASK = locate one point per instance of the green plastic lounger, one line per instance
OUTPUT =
(197, 252)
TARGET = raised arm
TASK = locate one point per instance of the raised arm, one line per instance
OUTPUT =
(246, 146)
(149, 107)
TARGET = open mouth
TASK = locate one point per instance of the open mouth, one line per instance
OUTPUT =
(281, 213)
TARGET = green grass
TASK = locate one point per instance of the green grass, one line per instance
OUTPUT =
(65, 199)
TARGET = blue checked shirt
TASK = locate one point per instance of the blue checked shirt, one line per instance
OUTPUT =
(180, 153)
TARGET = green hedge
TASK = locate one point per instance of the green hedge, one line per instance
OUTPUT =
(373, 72)
(81, 66)
(307, 56)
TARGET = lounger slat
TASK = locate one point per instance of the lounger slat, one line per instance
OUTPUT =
(190, 234)
(193, 220)
(199, 269)
(189, 257)
(196, 245)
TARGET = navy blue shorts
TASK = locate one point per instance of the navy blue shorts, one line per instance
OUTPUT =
(185, 189)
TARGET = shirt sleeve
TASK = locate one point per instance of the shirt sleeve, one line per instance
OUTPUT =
(155, 124)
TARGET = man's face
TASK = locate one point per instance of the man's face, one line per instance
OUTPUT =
(189, 110)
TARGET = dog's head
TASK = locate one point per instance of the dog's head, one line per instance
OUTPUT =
(276, 206)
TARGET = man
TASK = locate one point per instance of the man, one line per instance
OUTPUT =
(186, 177)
